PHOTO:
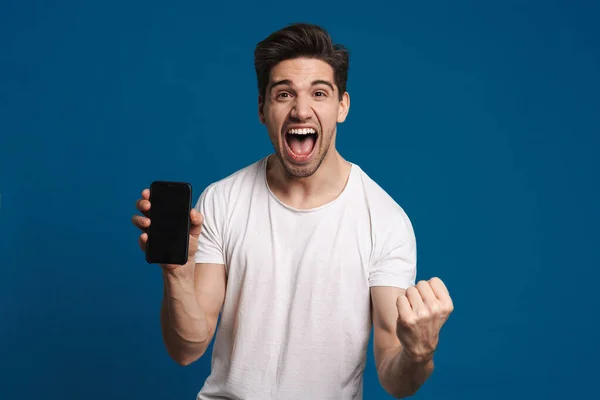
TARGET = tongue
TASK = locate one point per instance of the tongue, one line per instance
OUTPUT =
(301, 146)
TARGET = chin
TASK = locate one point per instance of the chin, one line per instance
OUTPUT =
(295, 169)
(304, 171)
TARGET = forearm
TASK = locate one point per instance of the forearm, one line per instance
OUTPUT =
(402, 376)
(185, 328)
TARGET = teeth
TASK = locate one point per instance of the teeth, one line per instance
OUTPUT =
(303, 131)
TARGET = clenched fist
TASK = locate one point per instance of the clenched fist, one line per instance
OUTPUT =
(422, 311)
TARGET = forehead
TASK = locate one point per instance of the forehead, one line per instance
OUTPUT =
(302, 71)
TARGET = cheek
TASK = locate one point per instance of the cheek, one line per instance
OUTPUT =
(328, 119)
(275, 117)
(273, 125)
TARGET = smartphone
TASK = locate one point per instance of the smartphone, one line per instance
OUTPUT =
(169, 230)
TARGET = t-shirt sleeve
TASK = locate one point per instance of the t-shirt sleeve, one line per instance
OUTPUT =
(210, 242)
(395, 260)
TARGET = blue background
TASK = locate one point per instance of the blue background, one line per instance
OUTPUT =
(481, 120)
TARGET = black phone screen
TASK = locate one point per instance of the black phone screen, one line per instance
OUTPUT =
(168, 233)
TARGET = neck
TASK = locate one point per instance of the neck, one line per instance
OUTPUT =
(325, 185)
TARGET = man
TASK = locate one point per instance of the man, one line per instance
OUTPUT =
(300, 253)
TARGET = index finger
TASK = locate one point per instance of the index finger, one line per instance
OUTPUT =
(439, 288)
(441, 292)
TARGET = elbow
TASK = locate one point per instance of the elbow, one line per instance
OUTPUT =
(403, 394)
(182, 352)
(184, 360)
(400, 389)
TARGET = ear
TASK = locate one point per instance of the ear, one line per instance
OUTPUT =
(261, 114)
(343, 108)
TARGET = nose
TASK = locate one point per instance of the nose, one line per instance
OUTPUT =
(301, 109)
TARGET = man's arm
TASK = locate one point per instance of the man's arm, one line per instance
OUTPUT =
(400, 375)
(190, 310)
(416, 316)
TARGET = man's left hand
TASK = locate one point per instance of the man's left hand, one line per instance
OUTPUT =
(422, 311)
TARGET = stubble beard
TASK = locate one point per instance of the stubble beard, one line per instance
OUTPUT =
(305, 171)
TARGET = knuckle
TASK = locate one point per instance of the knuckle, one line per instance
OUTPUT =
(435, 309)
(446, 302)
(409, 321)
(444, 311)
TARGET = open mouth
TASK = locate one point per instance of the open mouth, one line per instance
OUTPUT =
(301, 142)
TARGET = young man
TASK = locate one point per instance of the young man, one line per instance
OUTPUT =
(300, 252)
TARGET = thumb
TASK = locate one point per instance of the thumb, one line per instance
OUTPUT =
(196, 223)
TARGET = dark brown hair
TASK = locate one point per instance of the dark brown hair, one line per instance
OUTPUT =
(300, 40)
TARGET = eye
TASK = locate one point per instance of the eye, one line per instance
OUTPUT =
(283, 95)
(320, 93)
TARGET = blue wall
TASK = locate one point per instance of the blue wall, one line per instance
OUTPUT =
(481, 120)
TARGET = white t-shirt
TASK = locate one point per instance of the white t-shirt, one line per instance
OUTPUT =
(296, 319)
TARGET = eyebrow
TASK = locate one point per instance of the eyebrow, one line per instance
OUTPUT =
(287, 82)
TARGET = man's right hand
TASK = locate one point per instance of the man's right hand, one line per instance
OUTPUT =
(143, 222)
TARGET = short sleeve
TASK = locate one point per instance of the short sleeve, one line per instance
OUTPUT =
(395, 257)
(210, 242)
